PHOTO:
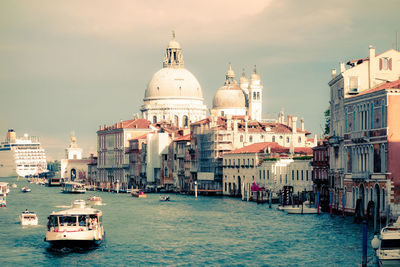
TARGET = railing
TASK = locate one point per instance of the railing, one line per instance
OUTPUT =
(360, 175)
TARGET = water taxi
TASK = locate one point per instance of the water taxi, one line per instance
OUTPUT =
(94, 200)
(78, 226)
(138, 193)
(74, 187)
(28, 218)
(305, 208)
(25, 189)
(388, 245)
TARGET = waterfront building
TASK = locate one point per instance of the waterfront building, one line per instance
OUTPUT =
(137, 172)
(74, 166)
(361, 130)
(267, 165)
(21, 156)
(320, 172)
(92, 171)
(214, 136)
(173, 94)
(181, 163)
(239, 99)
(112, 145)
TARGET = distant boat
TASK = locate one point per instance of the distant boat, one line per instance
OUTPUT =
(54, 181)
(165, 198)
(304, 208)
(95, 200)
(28, 218)
(25, 189)
(74, 188)
(14, 186)
(138, 193)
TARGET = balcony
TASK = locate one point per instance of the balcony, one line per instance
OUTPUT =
(360, 136)
(360, 175)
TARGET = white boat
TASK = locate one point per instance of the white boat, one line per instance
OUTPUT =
(74, 188)
(14, 186)
(95, 200)
(22, 156)
(4, 190)
(388, 245)
(28, 218)
(165, 198)
(138, 193)
(305, 208)
(78, 226)
(25, 189)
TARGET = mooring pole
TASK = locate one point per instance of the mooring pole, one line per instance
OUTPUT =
(364, 244)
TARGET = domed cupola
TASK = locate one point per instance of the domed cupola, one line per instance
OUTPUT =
(229, 99)
(173, 93)
(244, 79)
(255, 77)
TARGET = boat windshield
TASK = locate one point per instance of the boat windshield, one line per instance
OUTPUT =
(67, 220)
(390, 244)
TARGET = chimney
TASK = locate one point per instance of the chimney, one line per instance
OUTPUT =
(333, 73)
(371, 66)
(302, 124)
(294, 124)
(342, 67)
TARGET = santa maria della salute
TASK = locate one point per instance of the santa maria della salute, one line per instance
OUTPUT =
(174, 94)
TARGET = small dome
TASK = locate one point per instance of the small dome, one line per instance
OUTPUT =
(173, 83)
(243, 79)
(229, 96)
(254, 75)
(174, 44)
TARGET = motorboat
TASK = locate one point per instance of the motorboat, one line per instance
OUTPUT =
(3, 194)
(138, 193)
(94, 200)
(74, 188)
(25, 189)
(14, 186)
(387, 245)
(79, 226)
(305, 208)
(165, 198)
(54, 181)
(28, 218)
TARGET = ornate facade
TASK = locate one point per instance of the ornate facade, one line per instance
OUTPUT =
(173, 93)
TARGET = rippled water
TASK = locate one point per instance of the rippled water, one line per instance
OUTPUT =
(184, 231)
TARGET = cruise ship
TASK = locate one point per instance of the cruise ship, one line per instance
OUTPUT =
(21, 156)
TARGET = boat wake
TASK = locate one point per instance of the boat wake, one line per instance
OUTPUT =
(63, 206)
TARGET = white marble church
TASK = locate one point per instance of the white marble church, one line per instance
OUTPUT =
(243, 99)
(173, 93)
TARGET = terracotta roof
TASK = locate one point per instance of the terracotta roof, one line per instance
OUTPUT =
(274, 147)
(383, 86)
(260, 148)
(183, 138)
(137, 124)
(144, 136)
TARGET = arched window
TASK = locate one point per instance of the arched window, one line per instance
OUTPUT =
(185, 121)
(154, 119)
(241, 138)
(273, 138)
(258, 95)
(299, 139)
(251, 139)
(176, 120)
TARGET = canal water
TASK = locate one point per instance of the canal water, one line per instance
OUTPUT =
(184, 231)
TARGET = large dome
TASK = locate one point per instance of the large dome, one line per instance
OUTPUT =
(173, 83)
(229, 96)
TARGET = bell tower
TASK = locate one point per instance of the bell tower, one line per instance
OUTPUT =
(255, 96)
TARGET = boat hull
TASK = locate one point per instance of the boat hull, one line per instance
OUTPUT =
(388, 262)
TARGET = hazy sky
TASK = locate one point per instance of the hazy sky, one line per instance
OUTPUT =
(73, 65)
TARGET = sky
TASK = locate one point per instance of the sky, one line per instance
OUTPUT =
(74, 65)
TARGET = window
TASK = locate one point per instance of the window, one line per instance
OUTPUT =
(268, 174)
(258, 95)
(385, 63)
(254, 96)
(297, 174)
(273, 138)
(287, 139)
(377, 158)
(292, 174)
(252, 162)
(241, 138)
(154, 119)
(251, 139)
(264, 174)
(302, 178)
(239, 162)
(299, 139)
(259, 174)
